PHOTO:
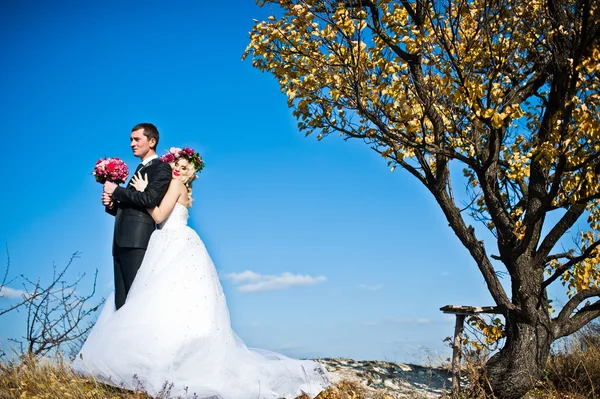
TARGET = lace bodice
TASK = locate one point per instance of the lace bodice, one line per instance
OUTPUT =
(177, 219)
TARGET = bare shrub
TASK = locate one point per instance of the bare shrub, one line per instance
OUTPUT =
(58, 317)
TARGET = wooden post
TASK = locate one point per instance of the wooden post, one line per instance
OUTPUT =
(457, 353)
(461, 312)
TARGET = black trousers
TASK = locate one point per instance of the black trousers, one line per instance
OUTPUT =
(126, 261)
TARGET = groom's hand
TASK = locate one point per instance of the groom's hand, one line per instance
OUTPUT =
(109, 187)
(106, 200)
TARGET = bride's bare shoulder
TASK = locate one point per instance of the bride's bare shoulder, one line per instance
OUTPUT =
(179, 186)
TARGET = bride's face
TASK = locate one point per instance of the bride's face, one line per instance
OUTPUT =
(182, 170)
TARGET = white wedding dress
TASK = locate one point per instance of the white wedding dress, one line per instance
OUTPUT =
(173, 333)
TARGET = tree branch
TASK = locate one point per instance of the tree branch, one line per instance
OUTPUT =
(565, 324)
(477, 251)
(406, 56)
(572, 261)
(560, 228)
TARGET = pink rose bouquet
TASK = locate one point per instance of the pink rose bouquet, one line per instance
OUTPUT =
(110, 169)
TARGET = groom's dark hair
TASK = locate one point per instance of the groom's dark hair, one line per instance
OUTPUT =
(150, 131)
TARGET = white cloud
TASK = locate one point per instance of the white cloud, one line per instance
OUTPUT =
(7, 292)
(250, 281)
(246, 275)
(375, 287)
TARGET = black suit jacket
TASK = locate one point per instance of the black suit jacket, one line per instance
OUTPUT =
(133, 224)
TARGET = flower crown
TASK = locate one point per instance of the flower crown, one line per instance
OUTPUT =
(186, 153)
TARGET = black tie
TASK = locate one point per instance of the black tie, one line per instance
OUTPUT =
(139, 167)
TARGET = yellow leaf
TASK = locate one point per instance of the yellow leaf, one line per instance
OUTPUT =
(496, 121)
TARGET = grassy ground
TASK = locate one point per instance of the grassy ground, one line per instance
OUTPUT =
(573, 372)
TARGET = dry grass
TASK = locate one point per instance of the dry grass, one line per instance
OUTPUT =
(573, 371)
(32, 378)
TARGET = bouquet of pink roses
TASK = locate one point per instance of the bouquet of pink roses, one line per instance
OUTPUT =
(110, 169)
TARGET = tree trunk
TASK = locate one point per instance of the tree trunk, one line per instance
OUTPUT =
(515, 369)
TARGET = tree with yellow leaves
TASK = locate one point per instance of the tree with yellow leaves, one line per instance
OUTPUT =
(509, 89)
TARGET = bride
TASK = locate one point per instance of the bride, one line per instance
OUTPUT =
(173, 333)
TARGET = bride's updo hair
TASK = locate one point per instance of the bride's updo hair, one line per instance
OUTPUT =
(195, 165)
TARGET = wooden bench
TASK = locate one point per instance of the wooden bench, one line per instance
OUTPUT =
(461, 312)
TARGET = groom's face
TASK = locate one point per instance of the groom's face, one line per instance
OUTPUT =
(140, 144)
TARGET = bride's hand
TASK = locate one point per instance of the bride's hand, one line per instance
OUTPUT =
(139, 183)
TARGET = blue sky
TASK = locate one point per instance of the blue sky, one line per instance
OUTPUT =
(375, 248)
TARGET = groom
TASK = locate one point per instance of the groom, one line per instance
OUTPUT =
(133, 224)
